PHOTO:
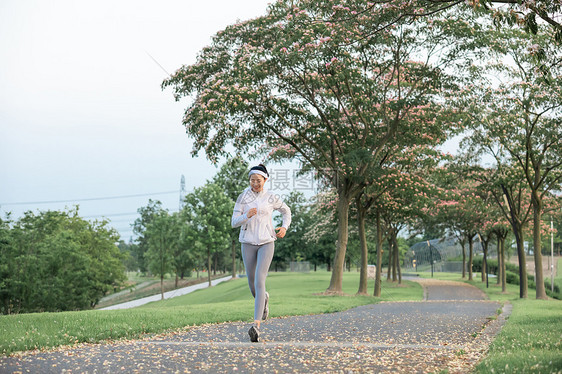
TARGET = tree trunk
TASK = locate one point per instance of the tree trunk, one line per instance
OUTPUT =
(504, 275)
(177, 280)
(336, 280)
(233, 258)
(162, 287)
(364, 250)
(522, 263)
(394, 257)
(377, 291)
(537, 217)
(470, 253)
(498, 250)
(397, 258)
(463, 261)
(504, 278)
(517, 228)
(209, 265)
(484, 260)
(390, 259)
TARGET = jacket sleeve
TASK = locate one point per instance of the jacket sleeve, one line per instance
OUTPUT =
(285, 212)
(238, 216)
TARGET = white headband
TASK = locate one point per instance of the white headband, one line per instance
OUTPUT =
(258, 172)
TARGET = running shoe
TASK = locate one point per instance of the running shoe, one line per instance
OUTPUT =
(254, 334)
(266, 308)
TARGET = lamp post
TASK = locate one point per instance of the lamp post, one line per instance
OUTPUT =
(430, 257)
(551, 256)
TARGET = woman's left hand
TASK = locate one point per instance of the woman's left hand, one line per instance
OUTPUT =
(281, 231)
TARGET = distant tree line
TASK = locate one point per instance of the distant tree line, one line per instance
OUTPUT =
(56, 261)
(197, 238)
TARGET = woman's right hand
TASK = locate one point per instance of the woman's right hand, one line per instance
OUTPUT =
(252, 212)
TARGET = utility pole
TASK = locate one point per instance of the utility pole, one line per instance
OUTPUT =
(182, 193)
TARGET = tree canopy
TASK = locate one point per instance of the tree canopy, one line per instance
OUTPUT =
(362, 92)
(34, 279)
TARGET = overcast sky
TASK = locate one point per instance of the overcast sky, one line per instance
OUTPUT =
(82, 114)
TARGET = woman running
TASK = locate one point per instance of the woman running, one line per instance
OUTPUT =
(253, 212)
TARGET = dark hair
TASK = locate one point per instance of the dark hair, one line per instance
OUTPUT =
(260, 167)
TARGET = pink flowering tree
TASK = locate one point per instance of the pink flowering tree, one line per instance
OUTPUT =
(291, 82)
(498, 220)
(460, 210)
(402, 205)
(393, 200)
(321, 234)
(507, 186)
(493, 221)
(519, 120)
(374, 16)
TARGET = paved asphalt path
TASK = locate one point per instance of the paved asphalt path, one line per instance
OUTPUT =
(450, 330)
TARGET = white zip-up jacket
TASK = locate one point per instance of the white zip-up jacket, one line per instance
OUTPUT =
(258, 229)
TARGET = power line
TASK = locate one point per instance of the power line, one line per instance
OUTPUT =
(111, 215)
(118, 214)
(89, 199)
(120, 220)
(157, 63)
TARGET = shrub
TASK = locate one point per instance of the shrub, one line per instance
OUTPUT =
(512, 276)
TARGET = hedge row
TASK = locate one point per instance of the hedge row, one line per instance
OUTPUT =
(512, 276)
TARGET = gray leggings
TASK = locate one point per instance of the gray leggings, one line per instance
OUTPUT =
(257, 259)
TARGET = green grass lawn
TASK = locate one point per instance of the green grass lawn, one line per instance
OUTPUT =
(290, 294)
(143, 286)
(530, 341)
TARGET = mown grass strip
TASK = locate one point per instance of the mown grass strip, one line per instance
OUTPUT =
(530, 342)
